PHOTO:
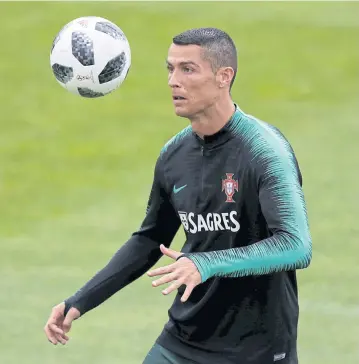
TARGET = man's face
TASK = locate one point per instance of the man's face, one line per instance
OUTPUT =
(193, 84)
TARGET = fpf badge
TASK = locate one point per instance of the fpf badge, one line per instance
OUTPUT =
(229, 186)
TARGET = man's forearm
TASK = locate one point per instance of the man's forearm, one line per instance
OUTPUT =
(131, 261)
(281, 252)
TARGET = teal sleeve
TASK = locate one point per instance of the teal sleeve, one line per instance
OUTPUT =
(283, 206)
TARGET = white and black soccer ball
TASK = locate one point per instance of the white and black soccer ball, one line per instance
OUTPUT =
(90, 56)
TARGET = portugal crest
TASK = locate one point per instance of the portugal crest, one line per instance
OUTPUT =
(229, 186)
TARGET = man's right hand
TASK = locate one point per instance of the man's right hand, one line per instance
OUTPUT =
(58, 325)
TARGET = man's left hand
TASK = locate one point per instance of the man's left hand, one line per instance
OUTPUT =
(182, 271)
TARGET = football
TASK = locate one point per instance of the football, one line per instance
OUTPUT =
(90, 57)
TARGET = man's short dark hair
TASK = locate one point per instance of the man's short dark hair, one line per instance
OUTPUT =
(219, 47)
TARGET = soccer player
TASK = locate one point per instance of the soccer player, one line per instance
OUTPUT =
(234, 184)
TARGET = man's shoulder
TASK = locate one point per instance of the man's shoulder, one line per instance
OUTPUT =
(262, 139)
(175, 142)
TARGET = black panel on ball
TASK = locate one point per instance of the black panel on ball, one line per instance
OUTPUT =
(62, 73)
(113, 68)
(110, 29)
(86, 92)
(82, 48)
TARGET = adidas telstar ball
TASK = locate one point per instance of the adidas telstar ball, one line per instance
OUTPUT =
(90, 56)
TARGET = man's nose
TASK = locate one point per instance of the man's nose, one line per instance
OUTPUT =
(173, 80)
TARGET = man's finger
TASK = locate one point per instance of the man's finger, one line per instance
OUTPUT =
(58, 333)
(52, 340)
(162, 270)
(50, 336)
(61, 339)
(170, 252)
(172, 287)
(187, 293)
(165, 279)
(55, 329)
(63, 336)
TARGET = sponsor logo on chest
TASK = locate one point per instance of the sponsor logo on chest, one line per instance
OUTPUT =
(195, 223)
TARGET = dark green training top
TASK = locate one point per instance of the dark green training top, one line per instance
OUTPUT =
(238, 195)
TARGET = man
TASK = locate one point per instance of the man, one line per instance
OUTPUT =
(234, 184)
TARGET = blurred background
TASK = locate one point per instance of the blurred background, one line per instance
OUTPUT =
(75, 173)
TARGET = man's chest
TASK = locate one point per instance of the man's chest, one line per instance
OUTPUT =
(209, 190)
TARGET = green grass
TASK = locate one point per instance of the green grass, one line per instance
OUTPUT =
(75, 173)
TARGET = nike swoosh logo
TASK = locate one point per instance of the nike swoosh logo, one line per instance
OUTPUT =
(176, 190)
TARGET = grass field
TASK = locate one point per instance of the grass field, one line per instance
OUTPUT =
(75, 173)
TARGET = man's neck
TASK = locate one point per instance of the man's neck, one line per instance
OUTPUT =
(213, 119)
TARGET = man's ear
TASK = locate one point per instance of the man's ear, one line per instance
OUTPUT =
(225, 76)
